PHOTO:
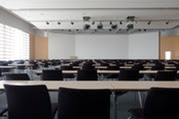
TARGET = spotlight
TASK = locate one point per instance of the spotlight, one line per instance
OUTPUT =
(58, 23)
(72, 23)
(120, 22)
(114, 26)
(77, 30)
(167, 22)
(149, 22)
(110, 22)
(110, 30)
(86, 26)
(47, 23)
(93, 23)
(69, 30)
(100, 26)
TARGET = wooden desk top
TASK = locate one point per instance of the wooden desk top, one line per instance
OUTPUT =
(7, 67)
(105, 72)
(20, 64)
(111, 85)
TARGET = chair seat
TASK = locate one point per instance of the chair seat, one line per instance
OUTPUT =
(136, 112)
(2, 111)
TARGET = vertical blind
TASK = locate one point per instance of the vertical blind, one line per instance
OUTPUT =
(14, 43)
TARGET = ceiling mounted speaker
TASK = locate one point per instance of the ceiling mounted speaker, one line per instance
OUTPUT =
(86, 18)
(130, 22)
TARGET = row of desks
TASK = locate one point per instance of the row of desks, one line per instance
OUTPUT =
(111, 85)
(104, 72)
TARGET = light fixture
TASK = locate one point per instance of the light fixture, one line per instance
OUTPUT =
(47, 23)
(110, 22)
(100, 26)
(149, 22)
(58, 23)
(167, 22)
(110, 30)
(93, 23)
(120, 22)
(77, 30)
(72, 22)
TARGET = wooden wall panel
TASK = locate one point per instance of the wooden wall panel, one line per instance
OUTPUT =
(38, 47)
(41, 47)
(32, 53)
(169, 43)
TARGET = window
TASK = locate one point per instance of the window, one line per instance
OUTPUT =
(14, 43)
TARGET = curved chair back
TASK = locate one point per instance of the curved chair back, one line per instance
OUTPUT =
(28, 102)
(83, 104)
(128, 75)
(52, 75)
(165, 76)
(87, 75)
(21, 76)
(162, 103)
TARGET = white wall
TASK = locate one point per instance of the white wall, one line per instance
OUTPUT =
(10, 19)
(61, 46)
(104, 46)
(101, 46)
(144, 46)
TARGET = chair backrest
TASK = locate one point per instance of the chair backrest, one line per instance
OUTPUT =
(162, 103)
(165, 76)
(21, 76)
(113, 68)
(83, 104)
(128, 75)
(66, 68)
(88, 67)
(87, 75)
(52, 75)
(28, 102)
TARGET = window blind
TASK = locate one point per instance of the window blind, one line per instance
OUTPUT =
(14, 43)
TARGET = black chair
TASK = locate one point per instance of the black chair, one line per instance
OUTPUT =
(165, 76)
(28, 102)
(161, 103)
(83, 104)
(21, 76)
(86, 75)
(52, 75)
(128, 75)
(88, 67)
